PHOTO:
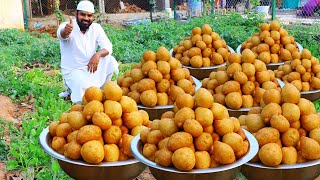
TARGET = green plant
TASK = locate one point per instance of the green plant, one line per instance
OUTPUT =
(255, 3)
(59, 15)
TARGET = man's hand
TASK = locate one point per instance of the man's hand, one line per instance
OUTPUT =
(95, 59)
(67, 29)
(93, 63)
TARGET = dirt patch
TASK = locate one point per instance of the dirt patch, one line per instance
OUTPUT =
(13, 113)
(145, 175)
(7, 108)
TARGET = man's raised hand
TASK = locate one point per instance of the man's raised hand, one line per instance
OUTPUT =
(68, 28)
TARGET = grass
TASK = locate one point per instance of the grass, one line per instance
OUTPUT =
(25, 57)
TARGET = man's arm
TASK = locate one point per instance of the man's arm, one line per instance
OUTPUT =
(66, 31)
(103, 40)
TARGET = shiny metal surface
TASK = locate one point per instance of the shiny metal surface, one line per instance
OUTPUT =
(170, 173)
(238, 112)
(203, 72)
(79, 169)
(303, 171)
(311, 95)
(156, 111)
(274, 66)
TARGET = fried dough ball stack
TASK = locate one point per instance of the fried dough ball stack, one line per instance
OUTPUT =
(287, 131)
(157, 80)
(102, 129)
(198, 135)
(272, 44)
(202, 48)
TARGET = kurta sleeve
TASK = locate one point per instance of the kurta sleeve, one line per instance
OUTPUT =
(103, 40)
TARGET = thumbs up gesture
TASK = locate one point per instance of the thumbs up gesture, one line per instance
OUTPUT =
(68, 28)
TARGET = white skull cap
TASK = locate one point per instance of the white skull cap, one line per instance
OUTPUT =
(86, 6)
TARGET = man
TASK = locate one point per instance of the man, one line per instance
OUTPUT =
(82, 65)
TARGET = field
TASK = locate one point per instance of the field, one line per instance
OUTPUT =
(31, 79)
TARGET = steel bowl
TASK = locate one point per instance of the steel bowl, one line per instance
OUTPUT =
(203, 72)
(238, 50)
(225, 172)
(81, 170)
(272, 66)
(310, 95)
(303, 171)
(156, 111)
(238, 112)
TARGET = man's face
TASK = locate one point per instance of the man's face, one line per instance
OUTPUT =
(84, 19)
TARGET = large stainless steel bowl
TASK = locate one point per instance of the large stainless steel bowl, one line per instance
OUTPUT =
(156, 111)
(304, 171)
(170, 173)
(78, 169)
(311, 95)
(203, 72)
(238, 112)
(272, 66)
(238, 50)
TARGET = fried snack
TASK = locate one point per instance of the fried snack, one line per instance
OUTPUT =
(193, 127)
(203, 159)
(184, 159)
(167, 127)
(289, 155)
(92, 107)
(267, 135)
(234, 140)
(58, 144)
(223, 153)
(310, 148)
(52, 127)
(101, 120)
(112, 91)
(88, 133)
(163, 157)
(112, 135)
(92, 152)
(203, 142)
(270, 154)
(76, 120)
(93, 93)
(63, 130)
(72, 150)
(179, 140)
(113, 109)
(111, 152)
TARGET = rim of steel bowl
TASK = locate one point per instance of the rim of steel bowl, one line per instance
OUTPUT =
(44, 140)
(286, 166)
(136, 149)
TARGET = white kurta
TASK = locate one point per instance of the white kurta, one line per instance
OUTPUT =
(76, 52)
